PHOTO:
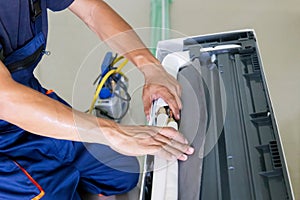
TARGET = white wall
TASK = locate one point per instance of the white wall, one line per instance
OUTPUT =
(276, 22)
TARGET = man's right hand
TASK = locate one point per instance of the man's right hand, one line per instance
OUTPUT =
(164, 142)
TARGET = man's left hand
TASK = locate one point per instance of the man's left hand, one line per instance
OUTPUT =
(160, 84)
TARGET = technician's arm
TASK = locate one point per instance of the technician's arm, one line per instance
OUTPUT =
(111, 28)
(39, 114)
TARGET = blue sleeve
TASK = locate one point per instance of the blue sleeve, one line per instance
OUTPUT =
(58, 5)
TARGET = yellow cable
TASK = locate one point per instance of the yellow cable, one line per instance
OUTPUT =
(99, 87)
(121, 65)
(117, 60)
(104, 79)
(122, 74)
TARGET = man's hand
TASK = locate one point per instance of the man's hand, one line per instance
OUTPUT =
(135, 140)
(119, 35)
(164, 142)
(160, 84)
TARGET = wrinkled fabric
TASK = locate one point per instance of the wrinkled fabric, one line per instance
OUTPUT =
(27, 161)
(16, 28)
(63, 168)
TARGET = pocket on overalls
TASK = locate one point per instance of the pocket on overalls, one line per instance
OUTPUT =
(16, 182)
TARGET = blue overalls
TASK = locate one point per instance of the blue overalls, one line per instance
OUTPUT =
(36, 167)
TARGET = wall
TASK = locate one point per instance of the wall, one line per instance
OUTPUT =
(76, 53)
(277, 24)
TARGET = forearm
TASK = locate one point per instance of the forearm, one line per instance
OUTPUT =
(39, 114)
(111, 28)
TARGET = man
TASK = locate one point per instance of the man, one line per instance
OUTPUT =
(41, 154)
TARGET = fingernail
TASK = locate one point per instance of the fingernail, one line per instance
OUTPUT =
(191, 150)
(186, 141)
(178, 116)
(184, 157)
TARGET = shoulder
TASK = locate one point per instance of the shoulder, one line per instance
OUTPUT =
(58, 5)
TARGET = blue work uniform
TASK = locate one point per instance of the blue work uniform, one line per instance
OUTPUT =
(36, 167)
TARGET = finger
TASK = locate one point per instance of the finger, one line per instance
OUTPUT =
(171, 133)
(177, 146)
(147, 111)
(176, 153)
(177, 149)
(147, 103)
(174, 103)
(162, 153)
(172, 100)
(176, 90)
(177, 94)
(179, 90)
(175, 82)
(179, 103)
(153, 92)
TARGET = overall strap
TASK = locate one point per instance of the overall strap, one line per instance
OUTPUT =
(36, 15)
(29, 54)
(1, 53)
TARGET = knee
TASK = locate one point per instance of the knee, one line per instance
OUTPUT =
(130, 182)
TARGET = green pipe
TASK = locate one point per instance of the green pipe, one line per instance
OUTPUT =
(160, 21)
